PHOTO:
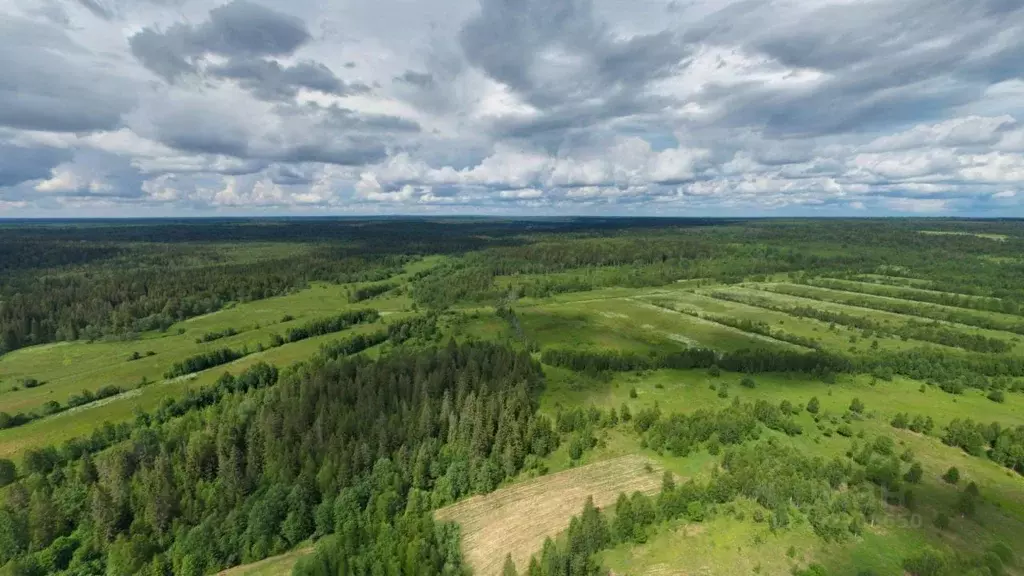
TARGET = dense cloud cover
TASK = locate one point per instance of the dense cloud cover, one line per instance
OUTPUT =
(681, 107)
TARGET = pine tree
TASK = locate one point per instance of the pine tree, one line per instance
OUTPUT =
(622, 525)
(509, 569)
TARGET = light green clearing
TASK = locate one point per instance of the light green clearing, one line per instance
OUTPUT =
(81, 421)
(998, 237)
(836, 337)
(725, 545)
(907, 292)
(896, 280)
(629, 324)
(828, 299)
(69, 367)
(280, 565)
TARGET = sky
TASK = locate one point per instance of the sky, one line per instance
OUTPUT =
(511, 107)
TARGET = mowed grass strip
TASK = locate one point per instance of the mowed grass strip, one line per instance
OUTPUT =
(67, 368)
(645, 323)
(517, 519)
(83, 420)
(828, 337)
(996, 237)
(863, 305)
(916, 294)
(280, 565)
(925, 310)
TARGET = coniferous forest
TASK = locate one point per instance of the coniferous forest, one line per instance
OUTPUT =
(553, 397)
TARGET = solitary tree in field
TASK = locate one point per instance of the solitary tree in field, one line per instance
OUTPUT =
(969, 499)
(914, 474)
(813, 405)
(7, 472)
(952, 476)
(857, 406)
(510, 567)
(625, 413)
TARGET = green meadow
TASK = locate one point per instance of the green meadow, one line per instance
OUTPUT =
(621, 305)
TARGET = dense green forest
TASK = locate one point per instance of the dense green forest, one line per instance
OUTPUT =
(407, 365)
(282, 458)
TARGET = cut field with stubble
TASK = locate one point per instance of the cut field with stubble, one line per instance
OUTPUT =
(517, 519)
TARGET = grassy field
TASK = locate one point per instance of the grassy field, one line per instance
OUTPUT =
(731, 543)
(865, 302)
(914, 293)
(852, 304)
(997, 237)
(833, 337)
(274, 566)
(517, 519)
(68, 368)
(627, 321)
(81, 421)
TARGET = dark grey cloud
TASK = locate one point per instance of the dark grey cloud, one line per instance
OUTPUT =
(512, 42)
(888, 63)
(202, 131)
(588, 102)
(345, 120)
(340, 151)
(53, 11)
(247, 36)
(42, 87)
(212, 141)
(420, 79)
(330, 135)
(560, 59)
(111, 10)
(166, 54)
(243, 28)
(239, 29)
(19, 164)
(269, 80)
(98, 8)
(285, 175)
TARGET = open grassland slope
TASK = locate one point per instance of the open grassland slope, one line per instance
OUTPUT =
(516, 520)
(280, 565)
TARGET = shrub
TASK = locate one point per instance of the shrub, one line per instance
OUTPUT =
(997, 396)
(952, 476)
(901, 421)
(813, 406)
(748, 382)
(624, 413)
(1003, 552)
(856, 406)
(968, 501)
(8, 473)
(914, 474)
